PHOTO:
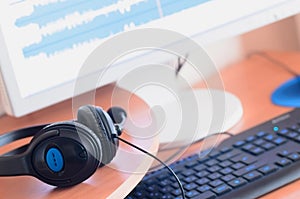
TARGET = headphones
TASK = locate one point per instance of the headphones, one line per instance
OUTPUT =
(65, 153)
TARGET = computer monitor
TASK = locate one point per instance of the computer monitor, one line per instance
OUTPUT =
(44, 43)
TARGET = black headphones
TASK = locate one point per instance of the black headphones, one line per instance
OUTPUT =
(65, 153)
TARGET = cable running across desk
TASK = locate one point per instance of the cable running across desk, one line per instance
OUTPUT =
(170, 170)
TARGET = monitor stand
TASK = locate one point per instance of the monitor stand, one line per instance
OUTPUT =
(168, 137)
(287, 94)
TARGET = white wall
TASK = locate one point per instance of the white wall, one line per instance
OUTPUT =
(225, 52)
(280, 36)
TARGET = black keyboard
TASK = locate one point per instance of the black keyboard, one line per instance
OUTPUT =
(246, 165)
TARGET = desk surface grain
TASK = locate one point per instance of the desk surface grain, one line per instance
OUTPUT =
(252, 80)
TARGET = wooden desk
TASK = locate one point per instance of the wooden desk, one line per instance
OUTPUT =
(113, 181)
(252, 80)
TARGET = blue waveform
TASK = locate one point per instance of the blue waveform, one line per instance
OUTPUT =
(170, 6)
(100, 27)
(42, 15)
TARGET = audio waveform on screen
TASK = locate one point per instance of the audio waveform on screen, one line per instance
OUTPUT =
(67, 24)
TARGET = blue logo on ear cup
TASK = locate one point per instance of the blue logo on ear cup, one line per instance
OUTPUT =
(54, 160)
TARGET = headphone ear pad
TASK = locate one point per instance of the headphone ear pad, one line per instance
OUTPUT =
(78, 150)
(95, 119)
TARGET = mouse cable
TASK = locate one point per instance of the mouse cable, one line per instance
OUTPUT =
(156, 158)
(276, 62)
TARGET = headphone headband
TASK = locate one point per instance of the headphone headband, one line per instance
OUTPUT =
(20, 134)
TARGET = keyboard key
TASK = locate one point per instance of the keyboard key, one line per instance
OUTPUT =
(164, 182)
(283, 153)
(261, 134)
(226, 163)
(155, 195)
(207, 195)
(214, 176)
(188, 172)
(253, 175)
(199, 167)
(176, 185)
(248, 147)
(214, 153)
(192, 194)
(268, 169)
(202, 181)
(162, 176)
(190, 179)
(190, 186)
(238, 165)
(292, 135)
(150, 182)
(214, 168)
(212, 162)
(256, 151)
(247, 169)
(228, 155)
(294, 127)
(204, 188)
(259, 142)
(224, 188)
(237, 182)
(283, 132)
(226, 171)
(202, 174)
(178, 169)
(268, 146)
(239, 143)
(203, 159)
(178, 197)
(140, 193)
(166, 189)
(297, 139)
(269, 137)
(191, 164)
(244, 158)
(227, 178)
(216, 183)
(176, 192)
(279, 141)
(167, 196)
(151, 188)
(283, 162)
(294, 156)
(251, 138)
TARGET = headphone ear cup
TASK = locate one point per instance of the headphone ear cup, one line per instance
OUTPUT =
(102, 125)
(65, 153)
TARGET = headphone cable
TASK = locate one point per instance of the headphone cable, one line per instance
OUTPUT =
(156, 158)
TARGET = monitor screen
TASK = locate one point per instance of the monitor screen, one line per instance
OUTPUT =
(43, 43)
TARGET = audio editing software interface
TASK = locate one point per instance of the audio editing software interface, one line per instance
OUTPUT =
(43, 37)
